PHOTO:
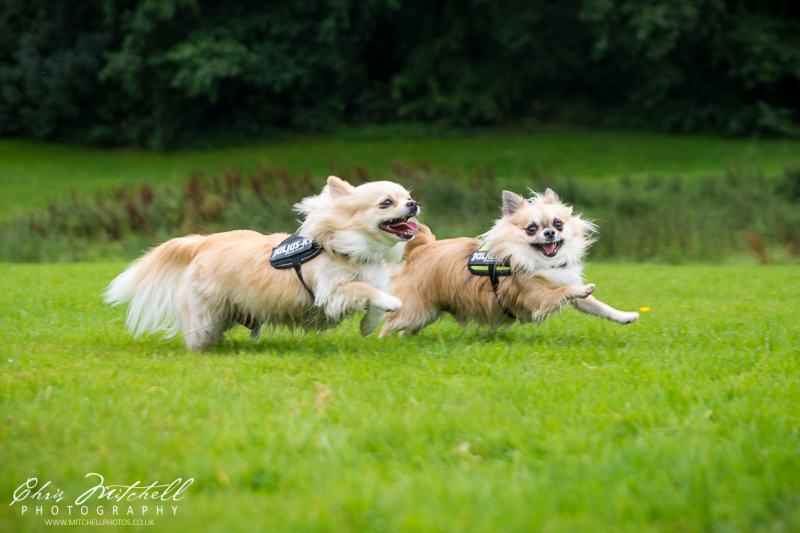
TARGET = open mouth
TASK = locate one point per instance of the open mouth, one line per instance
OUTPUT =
(402, 227)
(548, 249)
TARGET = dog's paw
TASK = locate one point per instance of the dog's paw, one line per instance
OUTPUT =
(370, 322)
(388, 302)
(585, 291)
(627, 318)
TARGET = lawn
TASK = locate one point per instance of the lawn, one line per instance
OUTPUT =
(684, 421)
(34, 173)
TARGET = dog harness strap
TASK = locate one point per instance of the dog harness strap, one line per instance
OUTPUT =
(495, 280)
(482, 264)
(292, 253)
(480, 261)
(300, 275)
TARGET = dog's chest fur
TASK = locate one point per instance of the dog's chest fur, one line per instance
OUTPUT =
(559, 277)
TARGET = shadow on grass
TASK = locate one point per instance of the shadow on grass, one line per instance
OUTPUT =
(444, 338)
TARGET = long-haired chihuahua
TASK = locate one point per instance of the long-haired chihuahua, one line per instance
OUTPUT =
(526, 268)
(201, 286)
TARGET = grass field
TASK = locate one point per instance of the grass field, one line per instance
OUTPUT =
(684, 421)
(33, 173)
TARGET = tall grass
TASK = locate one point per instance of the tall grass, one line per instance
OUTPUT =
(662, 219)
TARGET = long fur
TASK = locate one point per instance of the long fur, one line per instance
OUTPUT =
(435, 280)
(424, 235)
(150, 286)
(201, 286)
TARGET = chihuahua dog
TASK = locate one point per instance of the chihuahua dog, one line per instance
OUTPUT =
(526, 268)
(202, 286)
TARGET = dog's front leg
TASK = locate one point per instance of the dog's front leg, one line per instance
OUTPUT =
(372, 317)
(545, 301)
(357, 296)
(592, 306)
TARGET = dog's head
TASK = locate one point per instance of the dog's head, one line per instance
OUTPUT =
(539, 233)
(368, 223)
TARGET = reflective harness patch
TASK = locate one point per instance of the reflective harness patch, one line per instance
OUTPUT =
(482, 264)
(292, 253)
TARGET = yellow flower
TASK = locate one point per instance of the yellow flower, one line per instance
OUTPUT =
(645, 309)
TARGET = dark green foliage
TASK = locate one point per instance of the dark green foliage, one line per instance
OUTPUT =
(243, 66)
(51, 53)
(689, 65)
(157, 72)
(665, 220)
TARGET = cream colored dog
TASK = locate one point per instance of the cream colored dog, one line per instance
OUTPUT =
(540, 241)
(202, 286)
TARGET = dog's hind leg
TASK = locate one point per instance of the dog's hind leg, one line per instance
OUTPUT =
(200, 326)
(592, 306)
(201, 329)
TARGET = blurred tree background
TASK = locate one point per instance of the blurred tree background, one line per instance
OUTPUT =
(158, 72)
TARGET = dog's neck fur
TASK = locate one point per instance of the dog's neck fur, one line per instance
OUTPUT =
(357, 247)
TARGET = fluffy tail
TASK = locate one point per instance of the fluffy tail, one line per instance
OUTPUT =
(422, 236)
(151, 285)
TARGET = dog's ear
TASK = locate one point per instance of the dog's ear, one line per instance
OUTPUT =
(511, 202)
(339, 187)
(550, 197)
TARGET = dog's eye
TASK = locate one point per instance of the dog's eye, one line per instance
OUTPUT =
(531, 229)
(386, 203)
(558, 224)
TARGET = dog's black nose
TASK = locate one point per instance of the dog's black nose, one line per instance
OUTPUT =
(411, 204)
(549, 233)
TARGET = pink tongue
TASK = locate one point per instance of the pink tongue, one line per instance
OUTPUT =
(549, 248)
(405, 226)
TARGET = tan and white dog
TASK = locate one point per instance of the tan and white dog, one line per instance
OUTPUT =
(202, 286)
(541, 242)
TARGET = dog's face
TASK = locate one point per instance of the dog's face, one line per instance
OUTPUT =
(365, 221)
(382, 208)
(539, 232)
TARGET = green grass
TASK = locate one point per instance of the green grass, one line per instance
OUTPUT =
(684, 421)
(34, 173)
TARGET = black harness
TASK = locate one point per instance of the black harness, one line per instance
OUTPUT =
(292, 253)
(482, 264)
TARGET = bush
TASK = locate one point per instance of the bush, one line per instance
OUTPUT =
(664, 220)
